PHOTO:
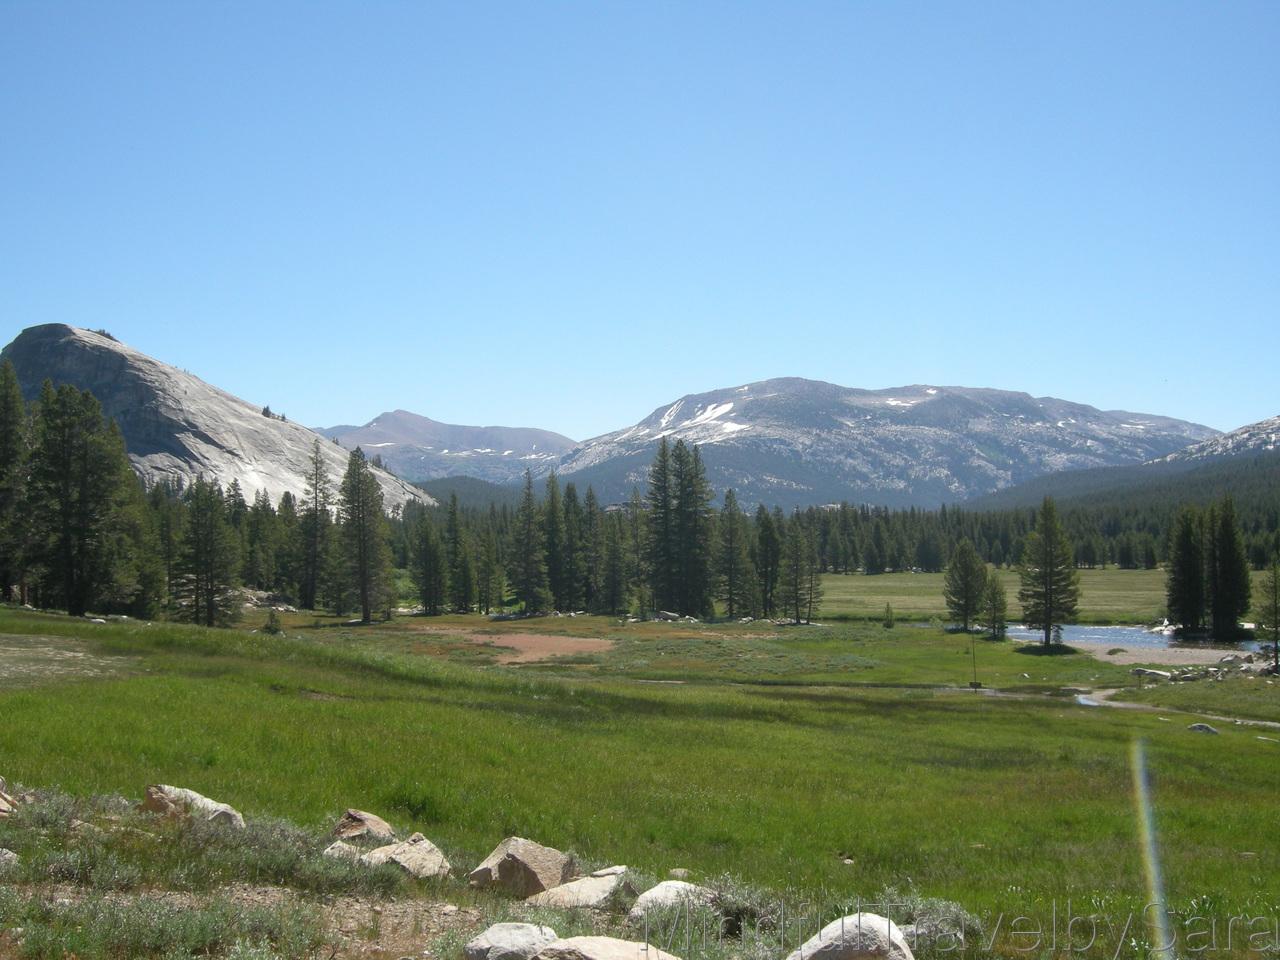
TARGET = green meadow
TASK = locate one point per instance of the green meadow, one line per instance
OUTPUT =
(849, 760)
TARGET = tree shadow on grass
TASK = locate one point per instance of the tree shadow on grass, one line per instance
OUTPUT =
(1040, 650)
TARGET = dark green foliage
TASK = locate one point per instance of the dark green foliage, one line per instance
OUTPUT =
(207, 565)
(1268, 607)
(75, 497)
(462, 575)
(13, 466)
(737, 576)
(995, 608)
(1185, 586)
(429, 567)
(965, 584)
(314, 529)
(528, 553)
(364, 534)
(799, 584)
(1050, 589)
(1227, 571)
(767, 560)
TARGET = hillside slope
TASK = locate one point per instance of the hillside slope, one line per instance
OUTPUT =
(175, 425)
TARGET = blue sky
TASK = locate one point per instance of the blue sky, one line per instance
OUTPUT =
(565, 214)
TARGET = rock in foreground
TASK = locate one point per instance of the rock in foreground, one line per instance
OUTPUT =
(179, 802)
(593, 892)
(668, 894)
(859, 936)
(510, 941)
(602, 948)
(417, 856)
(359, 823)
(523, 868)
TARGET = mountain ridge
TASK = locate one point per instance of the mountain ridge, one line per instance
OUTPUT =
(793, 441)
(420, 448)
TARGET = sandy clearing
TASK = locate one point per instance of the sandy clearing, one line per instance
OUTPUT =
(527, 647)
(1169, 656)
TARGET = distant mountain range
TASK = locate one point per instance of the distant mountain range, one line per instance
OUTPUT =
(175, 425)
(794, 442)
(419, 448)
(790, 442)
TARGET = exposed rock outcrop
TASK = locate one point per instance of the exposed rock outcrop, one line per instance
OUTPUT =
(176, 426)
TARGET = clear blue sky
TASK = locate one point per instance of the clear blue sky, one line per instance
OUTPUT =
(564, 214)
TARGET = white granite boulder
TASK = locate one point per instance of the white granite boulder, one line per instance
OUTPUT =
(671, 894)
(523, 868)
(593, 892)
(179, 802)
(859, 936)
(601, 948)
(359, 823)
(510, 941)
(416, 856)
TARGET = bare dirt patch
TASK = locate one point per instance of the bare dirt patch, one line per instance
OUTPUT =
(527, 647)
(26, 660)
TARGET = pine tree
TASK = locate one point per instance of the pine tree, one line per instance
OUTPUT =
(592, 551)
(799, 585)
(528, 560)
(363, 522)
(571, 592)
(613, 584)
(736, 576)
(692, 532)
(13, 466)
(1228, 569)
(1050, 585)
(429, 567)
(660, 537)
(207, 563)
(553, 543)
(995, 608)
(315, 525)
(1185, 582)
(461, 568)
(75, 494)
(767, 559)
(260, 543)
(965, 584)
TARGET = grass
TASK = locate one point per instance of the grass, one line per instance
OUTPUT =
(997, 803)
(1256, 698)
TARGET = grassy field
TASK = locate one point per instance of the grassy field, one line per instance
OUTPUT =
(998, 803)
(1106, 596)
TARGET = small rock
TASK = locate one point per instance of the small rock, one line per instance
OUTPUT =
(670, 893)
(417, 856)
(181, 802)
(1147, 672)
(591, 892)
(342, 850)
(510, 941)
(859, 936)
(678, 873)
(601, 948)
(448, 910)
(1202, 728)
(358, 823)
(523, 867)
(8, 859)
